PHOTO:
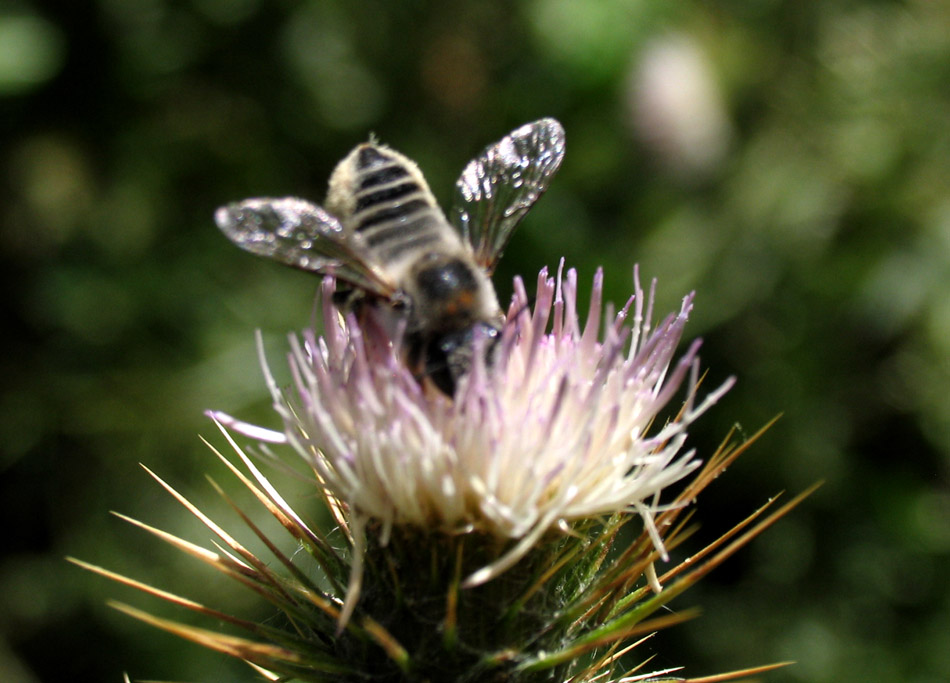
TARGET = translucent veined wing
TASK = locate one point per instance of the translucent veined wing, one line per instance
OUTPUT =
(496, 190)
(303, 235)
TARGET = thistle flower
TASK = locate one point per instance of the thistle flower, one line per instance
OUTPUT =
(481, 531)
(553, 432)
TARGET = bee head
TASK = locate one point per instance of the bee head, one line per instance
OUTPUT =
(445, 358)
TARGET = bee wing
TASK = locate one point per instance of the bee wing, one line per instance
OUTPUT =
(302, 235)
(496, 190)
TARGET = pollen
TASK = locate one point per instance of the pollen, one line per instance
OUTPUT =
(461, 303)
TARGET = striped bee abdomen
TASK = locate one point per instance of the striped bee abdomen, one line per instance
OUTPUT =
(392, 206)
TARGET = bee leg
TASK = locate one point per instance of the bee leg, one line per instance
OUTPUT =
(415, 356)
(345, 298)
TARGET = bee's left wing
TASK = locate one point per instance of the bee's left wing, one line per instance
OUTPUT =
(496, 190)
(303, 235)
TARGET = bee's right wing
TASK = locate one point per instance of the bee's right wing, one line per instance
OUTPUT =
(496, 190)
(302, 235)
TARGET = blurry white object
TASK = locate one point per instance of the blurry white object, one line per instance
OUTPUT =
(676, 107)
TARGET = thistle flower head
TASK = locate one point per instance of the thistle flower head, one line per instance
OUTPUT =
(554, 429)
(482, 533)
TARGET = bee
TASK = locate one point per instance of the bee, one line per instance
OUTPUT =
(383, 234)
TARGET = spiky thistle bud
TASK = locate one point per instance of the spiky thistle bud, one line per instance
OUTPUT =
(479, 536)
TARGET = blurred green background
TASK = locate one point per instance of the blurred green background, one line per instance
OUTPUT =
(790, 161)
